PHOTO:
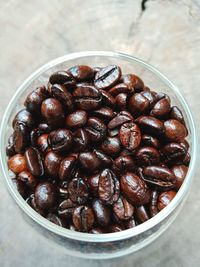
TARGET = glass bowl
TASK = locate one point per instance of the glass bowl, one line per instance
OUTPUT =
(101, 246)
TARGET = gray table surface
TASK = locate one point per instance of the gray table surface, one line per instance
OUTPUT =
(166, 34)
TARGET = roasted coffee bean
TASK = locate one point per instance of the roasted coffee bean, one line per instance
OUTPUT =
(63, 95)
(52, 164)
(148, 140)
(121, 118)
(104, 113)
(107, 77)
(78, 191)
(130, 136)
(175, 131)
(176, 114)
(96, 129)
(24, 117)
(161, 108)
(35, 98)
(123, 209)
(123, 164)
(10, 148)
(61, 77)
(46, 195)
(107, 99)
(106, 161)
(83, 218)
(66, 208)
(165, 198)
(111, 146)
(27, 178)
(97, 230)
(55, 219)
(135, 189)
(81, 140)
(119, 89)
(138, 105)
(121, 100)
(130, 223)
(102, 213)
(153, 209)
(17, 163)
(89, 162)
(150, 95)
(31, 201)
(21, 188)
(133, 82)
(180, 171)
(150, 125)
(76, 119)
(93, 182)
(147, 156)
(34, 161)
(20, 136)
(67, 167)
(141, 214)
(42, 143)
(87, 97)
(173, 153)
(60, 140)
(81, 73)
(108, 187)
(116, 228)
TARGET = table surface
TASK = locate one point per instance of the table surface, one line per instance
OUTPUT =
(163, 33)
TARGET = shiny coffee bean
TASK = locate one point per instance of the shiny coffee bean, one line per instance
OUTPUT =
(35, 98)
(78, 191)
(67, 167)
(42, 143)
(31, 201)
(60, 140)
(89, 162)
(96, 129)
(135, 189)
(123, 164)
(150, 125)
(165, 198)
(121, 118)
(133, 82)
(46, 195)
(180, 171)
(121, 100)
(150, 95)
(175, 131)
(108, 187)
(105, 113)
(141, 214)
(138, 105)
(52, 164)
(107, 99)
(27, 178)
(107, 77)
(176, 114)
(34, 161)
(147, 156)
(24, 117)
(66, 208)
(120, 88)
(81, 72)
(76, 119)
(17, 163)
(61, 77)
(55, 219)
(173, 153)
(123, 209)
(102, 213)
(130, 136)
(81, 140)
(148, 140)
(161, 108)
(10, 148)
(93, 182)
(20, 137)
(106, 161)
(153, 209)
(111, 146)
(83, 218)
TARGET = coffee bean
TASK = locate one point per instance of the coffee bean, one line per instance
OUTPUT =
(180, 171)
(20, 137)
(27, 178)
(106, 161)
(52, 164)
(24, 117)
(150, 95)
(81, 140)
(107, 99)
(76, 119)
(135, 189)
(138, 105)
(89, 162)
(161, 108)
(133, 82)
(121, 100)
(147, 156)
(61, 77)
(10, 148)
(148, 140)
(67, 167)
(150, 125)
(83, 218)
(120, 88)
(123, 209)
(35, 98)
(34, 161)
(60, 140)
(119, 119)
(175, 131)
(173, 153)
(78, 191)
(102, 213)
(107, 77)
(31, 201)
(165, 198)
(104, 113)
(93, 182)
(17, 163)
(153, 209)
(130, 136)
(21, 188)
(123, 164)
(42, 143)
(176, 114)
(81, 73)
(108, 187)
(111, 146)
(96, 129)
(55, 219)
(66, 208)
(141, 214)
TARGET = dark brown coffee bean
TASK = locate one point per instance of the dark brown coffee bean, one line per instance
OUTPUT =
(175, 131)
(106, 161)
(87, 97)
(10, 149)
(27, 178)
(141, 214)
(150, 125)
(116, 228)
(147, 156)
(17, 163)
(31, 201)
(89, 162)
(104, 113)
(153, 209)
(96, 129)
(93, 182)
(176, 114)
(81, 140)
(35, 98)
(173, 153)
(20, 136)
(138, 105)
(61, 77)
(81, 73)
(55, 219)
(135, 189)
(123, 164)
(67, 167)
(34, 161)
(150, 95)
(180, 171)
(102, 213)
(60, 140)
(111, 146)
(108, 187)
(119, 89)
(130, 136)
(123, 209)
(83, 218)
(121, 118)
(66, 208)
(165, 198)
(24, 117)
(107, 99)
(52, 164)
(161, 108)
(97, 230)
(46, 195)
(78, 191)
(42, 143)
(148, 140)
(130, 223)
(107, 77)
(121, 101)
(76, 119)
(133, 82)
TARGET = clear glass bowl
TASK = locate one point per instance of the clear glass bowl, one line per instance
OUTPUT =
(111, 245)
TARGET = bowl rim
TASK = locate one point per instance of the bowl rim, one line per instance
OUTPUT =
(87, 237)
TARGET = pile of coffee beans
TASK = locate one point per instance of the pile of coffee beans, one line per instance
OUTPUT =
(97, 151)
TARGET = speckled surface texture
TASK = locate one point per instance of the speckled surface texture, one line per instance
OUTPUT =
(166, 34)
